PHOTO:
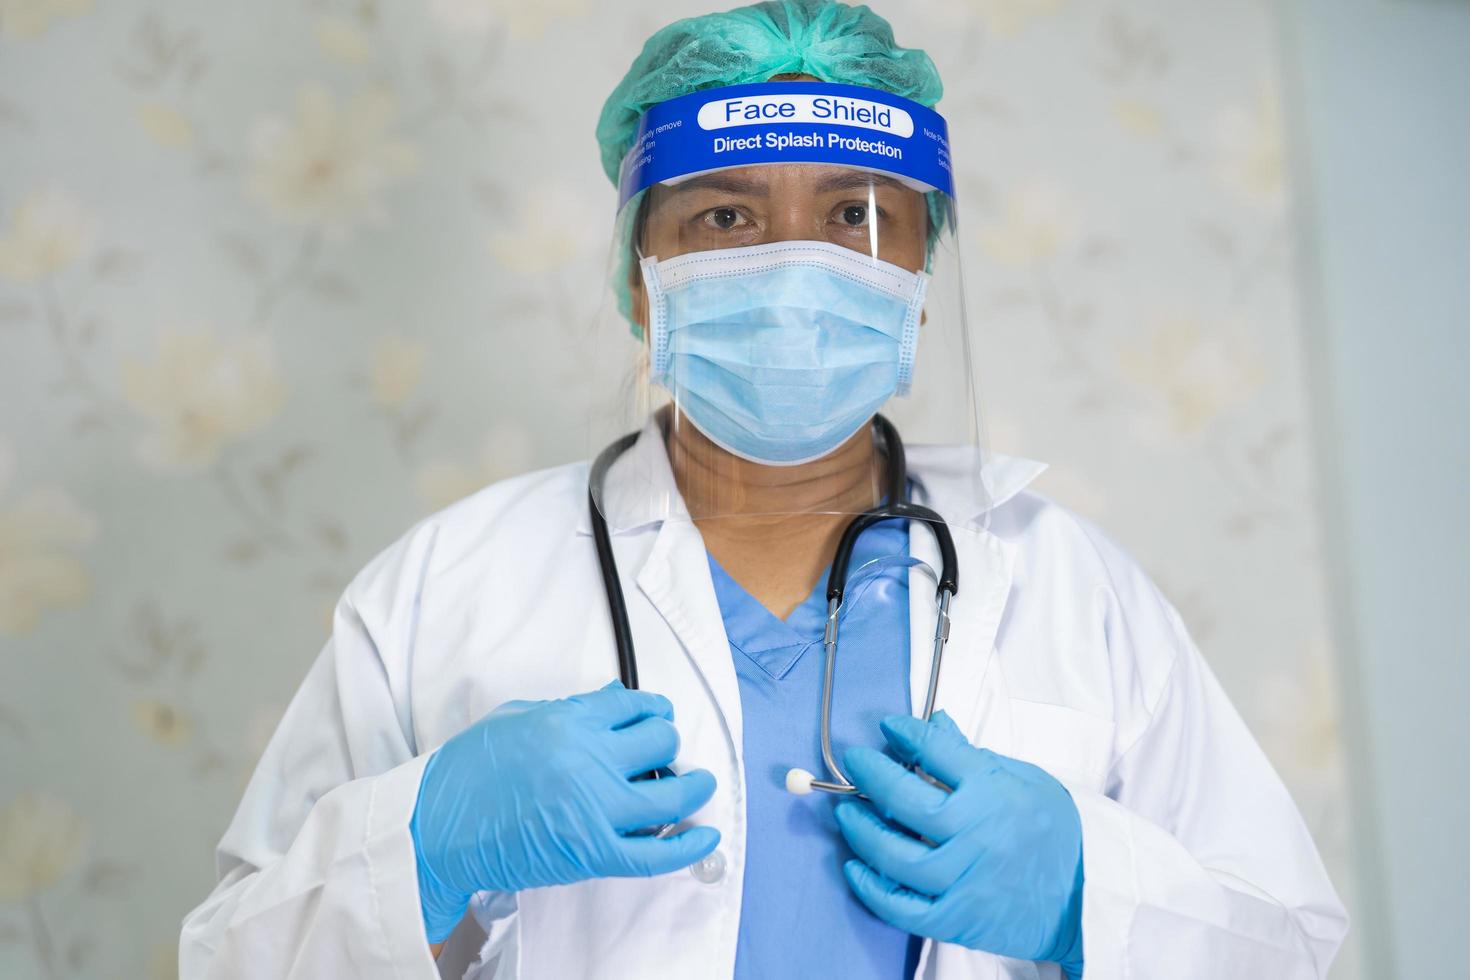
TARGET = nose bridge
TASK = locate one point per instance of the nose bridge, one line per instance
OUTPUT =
(791, 217)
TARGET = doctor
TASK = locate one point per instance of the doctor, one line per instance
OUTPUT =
(458, 789)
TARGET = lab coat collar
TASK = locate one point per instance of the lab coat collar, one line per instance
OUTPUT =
(640, 489)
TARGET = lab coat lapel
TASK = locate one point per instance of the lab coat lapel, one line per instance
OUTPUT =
(970, 690)
(985, 564)
(971, 687)
(676, 579)
(640, 498)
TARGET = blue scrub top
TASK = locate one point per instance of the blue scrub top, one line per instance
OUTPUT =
(799, 918)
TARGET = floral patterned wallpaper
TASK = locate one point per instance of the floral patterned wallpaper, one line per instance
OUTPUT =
(277, 278)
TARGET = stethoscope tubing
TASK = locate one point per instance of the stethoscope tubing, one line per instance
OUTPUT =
(898, 509)
(948, 587)
(612, 584)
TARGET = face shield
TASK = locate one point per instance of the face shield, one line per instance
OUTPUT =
(787, 255)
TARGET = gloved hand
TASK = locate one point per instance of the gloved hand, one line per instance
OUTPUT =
(537, 793)
(1004, 873)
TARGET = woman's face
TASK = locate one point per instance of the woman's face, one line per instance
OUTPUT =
(867, 212)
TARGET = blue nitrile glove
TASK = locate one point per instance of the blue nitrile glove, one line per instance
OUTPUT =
(1004, 873)
(537, 793)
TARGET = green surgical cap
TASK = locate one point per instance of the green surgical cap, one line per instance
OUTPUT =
(830, 41)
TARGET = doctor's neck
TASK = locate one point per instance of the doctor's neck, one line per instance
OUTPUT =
(716, 483)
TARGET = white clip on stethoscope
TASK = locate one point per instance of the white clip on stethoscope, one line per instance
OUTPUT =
(798, 781)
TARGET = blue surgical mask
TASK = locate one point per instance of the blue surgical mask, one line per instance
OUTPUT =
(780, 352)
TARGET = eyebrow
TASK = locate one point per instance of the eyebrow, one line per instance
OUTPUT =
(840, 180)
(848, 179)
(728, 183)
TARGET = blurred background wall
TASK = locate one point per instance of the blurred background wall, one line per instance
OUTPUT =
(278, 278)
(1383, 138)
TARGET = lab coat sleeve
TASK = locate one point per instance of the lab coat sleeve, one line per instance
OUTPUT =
(1197, 862)
(317, 876)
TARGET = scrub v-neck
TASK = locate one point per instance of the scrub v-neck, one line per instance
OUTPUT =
(793, 866)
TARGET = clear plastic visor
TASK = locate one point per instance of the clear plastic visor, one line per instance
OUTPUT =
(781, 313)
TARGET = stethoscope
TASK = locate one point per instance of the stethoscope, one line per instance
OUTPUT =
(798, 781)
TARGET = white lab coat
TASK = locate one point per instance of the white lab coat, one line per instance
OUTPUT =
(1062, 653)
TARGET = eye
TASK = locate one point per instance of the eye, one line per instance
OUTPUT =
(855, 215)
(723, 218)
